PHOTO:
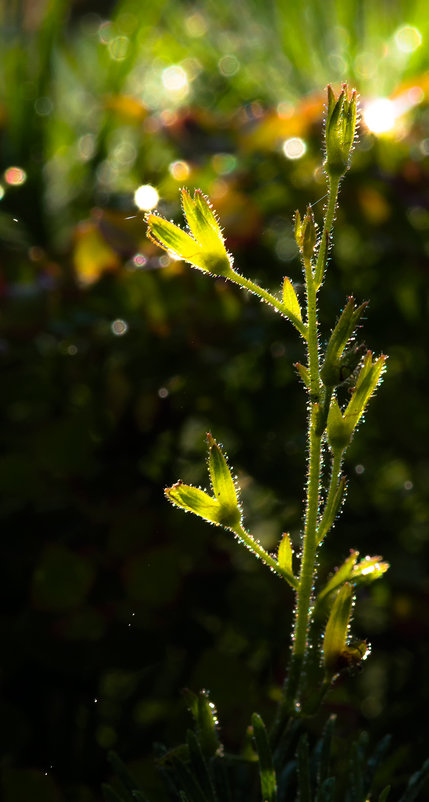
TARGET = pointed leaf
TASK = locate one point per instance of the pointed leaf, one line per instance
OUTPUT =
(266, 767)
(330, 513)
(368, 570)
(207, 726)
(290, 300)
(304, 373)
(192, 499)
(172, 239)
(330, 372)
(338, 431)
(384, 794)
(342, 574)
(368, 379)
(222, 482)
(284, 557)
(336, 629)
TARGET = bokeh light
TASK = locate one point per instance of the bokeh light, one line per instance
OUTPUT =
(380, 115)
(408, 39)
(294, 148)
(119, 327)
(15, 176)
(146, 197)
(175, 79)
(180, 170)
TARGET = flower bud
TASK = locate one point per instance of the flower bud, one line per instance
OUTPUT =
(305, 233)
(340, 130)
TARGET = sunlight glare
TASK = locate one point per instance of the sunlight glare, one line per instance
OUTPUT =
(175, 79)
(146, 197)
(294, 148)
(380, 115)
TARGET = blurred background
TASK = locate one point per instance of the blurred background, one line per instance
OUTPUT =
(115, 362)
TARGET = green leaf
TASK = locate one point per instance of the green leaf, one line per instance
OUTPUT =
(207, 726)
(173, 240)
(290, 300)
(192, 499)
(338, 431)
(284, 557)
(304, 374)
(368, 379)
(368, 570)
(223, 483)
(205, 249)
(336, 629)
(342, 574)
(266, 767)
(329, 514)
(384, 794)
(332, 370)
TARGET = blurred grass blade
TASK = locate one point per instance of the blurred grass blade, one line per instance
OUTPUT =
(199, 767)
(323, 751)
(416, 783)
(266, 767)
(384, 794)
(207, 725)
(326, 792)
(303, 769)
(110, 795)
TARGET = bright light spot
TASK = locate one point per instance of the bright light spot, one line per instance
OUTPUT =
(15, 176)
(294, 148)
(228, 65)
(380, 115)
(139, 260)
(179, 170)
(369, 570)
(408, 485)
(118, 48)
(408, 39)
(163, 392)
(119, 327)
(174, 78)
(1, 192)
(359, 469)
(146, 197)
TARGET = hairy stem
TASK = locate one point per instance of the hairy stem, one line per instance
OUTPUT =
(306, 579)
(324, 525)
(264, 556)
(270, 299)
(334, 185)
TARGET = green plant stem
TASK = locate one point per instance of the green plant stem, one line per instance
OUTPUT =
(270, 299)
(306, 579)
(323, 528)
(334, 185)
(264, 556)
